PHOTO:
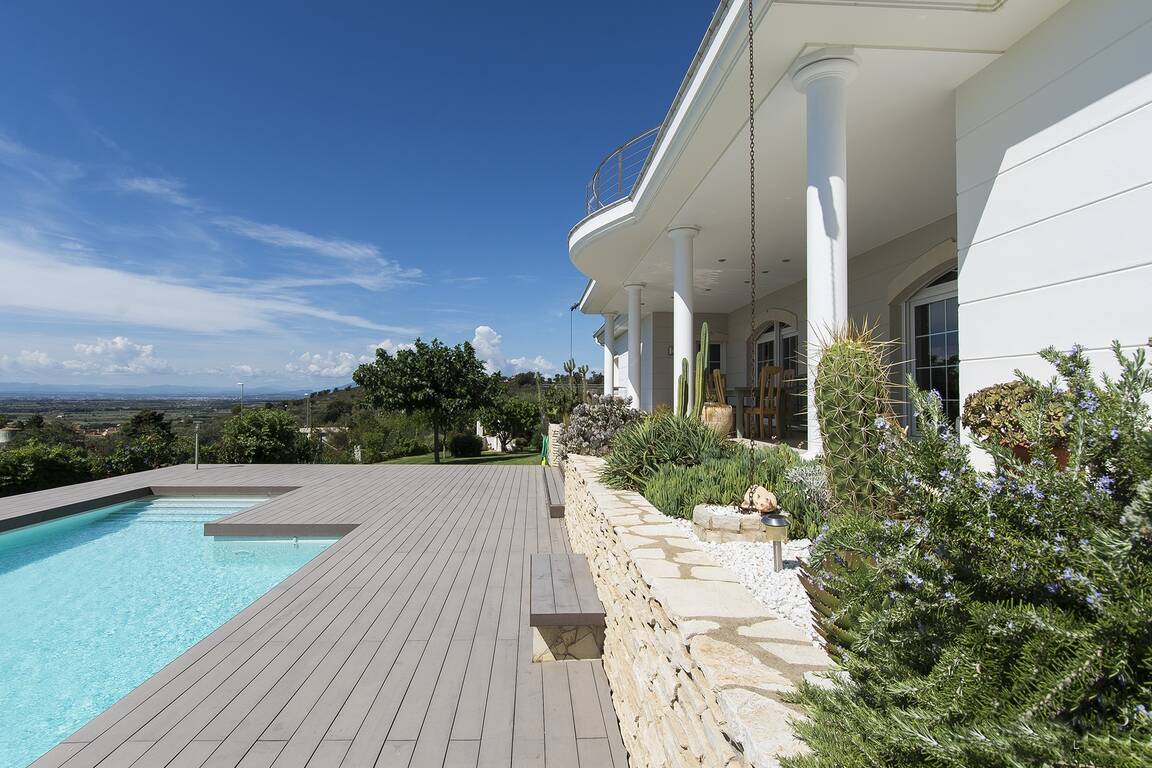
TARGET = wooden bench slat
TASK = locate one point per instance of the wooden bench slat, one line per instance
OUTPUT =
(554, 483)
(563, 593)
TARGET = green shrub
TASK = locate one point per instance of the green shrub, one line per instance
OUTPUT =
(261, 436)
(408, 446)
(35, 466)
(805, 496)
(998, 414)
(465, 445)
(675, 489)
(995, 620)
(642, 447)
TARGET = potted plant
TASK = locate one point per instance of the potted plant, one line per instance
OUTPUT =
(1004, 414)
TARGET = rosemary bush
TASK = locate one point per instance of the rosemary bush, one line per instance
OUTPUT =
(996, 620)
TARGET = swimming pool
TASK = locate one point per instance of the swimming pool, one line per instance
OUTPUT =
(94, 604)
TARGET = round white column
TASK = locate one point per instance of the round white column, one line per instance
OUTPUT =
(609, 352)
(823, 77)
(683, 342)
(633, 290)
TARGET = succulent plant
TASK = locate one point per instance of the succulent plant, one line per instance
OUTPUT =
(855, 415)
(701, 367)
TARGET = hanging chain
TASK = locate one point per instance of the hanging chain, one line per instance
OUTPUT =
(752, 376)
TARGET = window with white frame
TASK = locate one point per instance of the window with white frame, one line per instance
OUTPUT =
(778, 345)
(933, 339)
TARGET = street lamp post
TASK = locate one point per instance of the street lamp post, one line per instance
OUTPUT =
(196, 445)
(241, 385)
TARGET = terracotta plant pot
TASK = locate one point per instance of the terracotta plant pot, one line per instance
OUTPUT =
(1023, 454)
(717, 417)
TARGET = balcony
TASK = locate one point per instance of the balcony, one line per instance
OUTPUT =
(617, 174)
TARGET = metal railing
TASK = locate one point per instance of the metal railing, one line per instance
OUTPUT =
(617, 174)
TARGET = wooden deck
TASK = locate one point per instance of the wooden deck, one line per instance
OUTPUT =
(406, 643)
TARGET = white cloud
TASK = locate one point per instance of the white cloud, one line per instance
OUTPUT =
(389, 346)
(284, 237)
(115, 356)
(246, 371)
(489, 346)
(46, 284)
(169, 190)
(329, 365)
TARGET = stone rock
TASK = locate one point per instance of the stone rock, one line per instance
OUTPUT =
(760, 500)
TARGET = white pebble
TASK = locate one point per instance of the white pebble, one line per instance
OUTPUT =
(780, 592)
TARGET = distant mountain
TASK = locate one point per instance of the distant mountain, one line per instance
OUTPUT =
(14, 390)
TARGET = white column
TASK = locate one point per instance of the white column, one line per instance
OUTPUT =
(609, 352)
(633, 290)
(823, 77)
(683, 345)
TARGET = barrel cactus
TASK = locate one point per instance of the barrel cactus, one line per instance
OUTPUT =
(855, 415)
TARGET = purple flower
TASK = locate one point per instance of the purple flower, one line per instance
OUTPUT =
(913, 580)
(1092, 597)
(991, 533)
(945, 474)
(881, 422)
(892, 595)
(1030, 489)
(1114, 433)
(1053, 588)
(1089, 402)
(1104, 484)
(1068, 574)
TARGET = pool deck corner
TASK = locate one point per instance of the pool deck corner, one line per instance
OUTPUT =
(406, 643)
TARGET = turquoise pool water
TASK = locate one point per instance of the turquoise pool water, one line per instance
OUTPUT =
(93, 605)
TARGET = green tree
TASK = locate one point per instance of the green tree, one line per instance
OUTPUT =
(147, 422)
(260, 436)
(509, 417)
(440, 382)
(336, 410)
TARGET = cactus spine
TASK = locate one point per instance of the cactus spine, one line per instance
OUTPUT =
(855, 415)
(701, 367)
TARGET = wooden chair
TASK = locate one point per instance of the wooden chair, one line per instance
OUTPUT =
(767, 405)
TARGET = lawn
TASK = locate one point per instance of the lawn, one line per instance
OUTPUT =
(487, 458)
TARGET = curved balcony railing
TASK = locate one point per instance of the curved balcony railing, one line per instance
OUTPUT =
(617, 174)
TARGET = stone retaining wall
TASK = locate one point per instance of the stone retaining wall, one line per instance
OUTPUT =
(697, 666)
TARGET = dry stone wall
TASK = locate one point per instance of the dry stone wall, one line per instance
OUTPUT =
(698, 667)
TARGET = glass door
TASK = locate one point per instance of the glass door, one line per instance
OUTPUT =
(934, 339)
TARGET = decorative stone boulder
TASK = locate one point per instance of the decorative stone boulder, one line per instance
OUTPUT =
(716, 524)
(760, 500)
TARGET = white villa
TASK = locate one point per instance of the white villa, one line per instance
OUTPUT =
(973, 176)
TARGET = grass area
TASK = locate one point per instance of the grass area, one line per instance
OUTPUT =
(487, 458)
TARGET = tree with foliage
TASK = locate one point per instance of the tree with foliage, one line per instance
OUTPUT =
(147, 422)
(443, 383)
(35, 466)
(336, 411)
(507, 418)
(261, 436)
(995, 619)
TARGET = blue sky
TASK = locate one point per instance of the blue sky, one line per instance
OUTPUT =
(201, 193)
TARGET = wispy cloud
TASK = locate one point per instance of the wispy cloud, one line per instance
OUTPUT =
(52, 285)
(285, 237)
(464, 279)
(168, 190)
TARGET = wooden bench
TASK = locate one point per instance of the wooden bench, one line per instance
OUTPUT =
(554, 484)
(563, 593)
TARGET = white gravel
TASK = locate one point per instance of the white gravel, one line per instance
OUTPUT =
(781, 593)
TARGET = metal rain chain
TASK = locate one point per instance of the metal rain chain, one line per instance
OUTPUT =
(753, 375)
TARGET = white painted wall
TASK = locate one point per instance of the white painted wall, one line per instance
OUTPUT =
(879, 282)
(1054, 185)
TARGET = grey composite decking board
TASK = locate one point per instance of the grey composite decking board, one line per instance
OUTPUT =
(554, 481)
(406, 643)
(562, 593)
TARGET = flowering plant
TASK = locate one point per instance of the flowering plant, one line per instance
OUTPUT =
(996, 620)
(594, 424)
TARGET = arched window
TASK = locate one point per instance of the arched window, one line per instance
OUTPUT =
(933, 338)
(777, 346)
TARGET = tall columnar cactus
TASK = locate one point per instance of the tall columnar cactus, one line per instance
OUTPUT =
(701, 367)
(855, 415)
(682, 389)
